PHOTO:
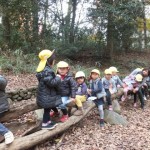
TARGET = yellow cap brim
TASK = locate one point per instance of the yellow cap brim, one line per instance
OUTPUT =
(41, 65)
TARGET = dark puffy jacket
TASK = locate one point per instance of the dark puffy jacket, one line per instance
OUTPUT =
(68, 86)
(4, 106)
(47, 93)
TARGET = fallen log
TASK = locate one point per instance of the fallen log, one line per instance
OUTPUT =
(42, 135)
(18, 110)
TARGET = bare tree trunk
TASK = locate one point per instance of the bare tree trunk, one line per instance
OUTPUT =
(72, 33)
(6, 31)
(110, 30)
(144, 24)
(35, 28)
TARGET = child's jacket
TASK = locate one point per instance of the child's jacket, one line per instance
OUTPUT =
(48, 87)
(117, 80)
(106, 83)
(96, 87)
(68, 86)
(81, 89)
(4, 106)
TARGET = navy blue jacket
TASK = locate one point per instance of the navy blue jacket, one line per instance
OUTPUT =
(48, 88)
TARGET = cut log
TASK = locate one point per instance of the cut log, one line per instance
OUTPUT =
(18, 110)
(42, 135)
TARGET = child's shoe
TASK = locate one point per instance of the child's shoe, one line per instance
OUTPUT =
(64, 118)
(79, 112)
(122, 98)
(101, 122)
(54, 114)
(49, 126)
(135, 105)
(9, 137)
(110, 108)
(145, 98)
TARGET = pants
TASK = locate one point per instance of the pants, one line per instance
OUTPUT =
(3, 129)
(108, 97)
(46, 115)
(80, 99)
(65, 100)
(99, 103)
(140, 94)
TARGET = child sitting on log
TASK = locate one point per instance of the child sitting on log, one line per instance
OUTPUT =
(96, 89)
(67, 89)
(47, 93)
(4, 106)
(81, 93)
(132, 84)
(109, 86)
(116, 78)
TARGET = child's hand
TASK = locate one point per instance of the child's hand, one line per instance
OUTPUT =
(89, 91)
(58, 75)
(110, 86)
(124, 85)
(134, 91)
(73, 99)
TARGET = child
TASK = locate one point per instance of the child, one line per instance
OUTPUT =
(81, 93)
(132, 84)
(4, 106)
(47, 93)
(109, 86)
(97, 90)
(67, 88)
(115, 77)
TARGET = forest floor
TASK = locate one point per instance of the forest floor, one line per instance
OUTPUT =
(87, 135)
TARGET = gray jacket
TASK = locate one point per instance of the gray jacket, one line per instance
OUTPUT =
(117, 80)
(106, 83)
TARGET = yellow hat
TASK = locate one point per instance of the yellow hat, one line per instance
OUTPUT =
(139, 77)
(44, 55)
(113, 69)
(62, 64)
(108, 71)
(96, 71)
(80, 74)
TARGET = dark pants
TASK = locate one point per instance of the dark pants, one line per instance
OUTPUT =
(140, 94)
(108, 97)
(46, 115)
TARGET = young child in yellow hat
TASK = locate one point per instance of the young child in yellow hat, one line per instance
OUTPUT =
(96, 90)
(81, 93)
(67, 89)
(109, 86)
(47, 95)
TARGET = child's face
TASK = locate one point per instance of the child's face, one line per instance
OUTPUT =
(145, 73)
(63, 71)
(108, 76)
(94, 75)
(114, 73)
(80, 80)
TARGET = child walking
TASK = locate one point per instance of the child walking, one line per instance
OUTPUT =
(81, 93)
(47, 93)
(4, 106)
(97, 90)
(67, 88)
(109, 86)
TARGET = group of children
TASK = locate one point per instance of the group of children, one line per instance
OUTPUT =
(62, 90)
